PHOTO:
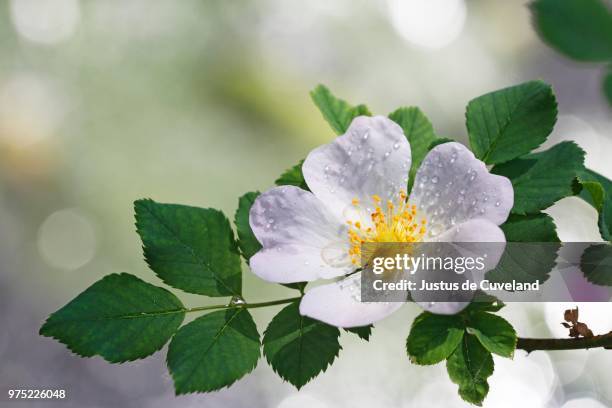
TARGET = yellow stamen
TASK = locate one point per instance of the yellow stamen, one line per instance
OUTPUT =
(400, 222)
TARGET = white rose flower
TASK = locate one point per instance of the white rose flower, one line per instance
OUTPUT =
(357, 195)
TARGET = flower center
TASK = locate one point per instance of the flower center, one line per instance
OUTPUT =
(398, 222)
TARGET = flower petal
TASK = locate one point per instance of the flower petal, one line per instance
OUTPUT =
(295, 263)
(488, 242)
(372, 157)
(452, 186)
(339, 304)
(296, 229)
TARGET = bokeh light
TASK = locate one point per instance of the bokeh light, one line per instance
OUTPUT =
(45, 22)
(428, 23)
(66, 240)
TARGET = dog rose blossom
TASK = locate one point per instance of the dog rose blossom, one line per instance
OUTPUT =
(358, 194)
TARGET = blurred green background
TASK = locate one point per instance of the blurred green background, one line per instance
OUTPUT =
(196, 102)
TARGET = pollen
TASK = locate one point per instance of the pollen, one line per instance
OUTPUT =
(398, 222)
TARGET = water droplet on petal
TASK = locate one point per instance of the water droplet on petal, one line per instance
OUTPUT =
(387, 154)
(435, 230)
(434, 179)
(396, 146)
(366, 135)
(497, 203)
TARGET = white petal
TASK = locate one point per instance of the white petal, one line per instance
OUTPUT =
(339, 304)
(488, 242)
(445, 308)
(295, 263)
(296, 229)
(452, 186)
(372, 157)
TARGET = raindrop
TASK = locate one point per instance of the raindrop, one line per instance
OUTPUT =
(387, 154)
(435, 230)
(434, 179)
(366, 135)
(326, 169)
(236, 300)
(497, 203)
(461, 192)
(396, 146)
(453, 157)
(341, 180)
(482, 211)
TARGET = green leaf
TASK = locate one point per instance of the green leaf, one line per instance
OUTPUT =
(299, 348)
(585, 175)
(213, 351)
(596, 264)
(605, 220)
(540, 179)
(469, 367)
(364, 332)
(592, 194)
(538, 227)
(596, 193)
(433, 337)
(509, 123)
(580, 29)
(494, 332)
(527, 263)
(483, 302)
(296, 285)
(419, 132)
(338, 113)
(190, 248)
(247, 242)
(293, 177)
(120, 318)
